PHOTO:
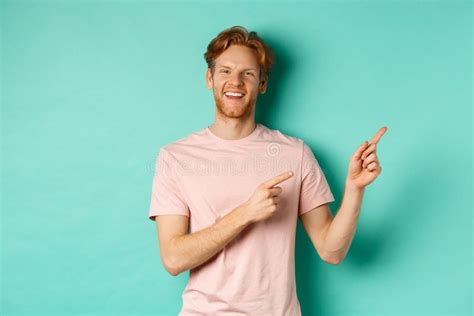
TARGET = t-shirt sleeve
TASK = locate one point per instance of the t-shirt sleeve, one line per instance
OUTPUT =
(315, 189)
(166, 196)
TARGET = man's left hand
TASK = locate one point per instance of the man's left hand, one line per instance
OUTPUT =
(364, 166)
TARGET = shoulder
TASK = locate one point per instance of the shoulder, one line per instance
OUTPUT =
(183, 144)
(281, 138)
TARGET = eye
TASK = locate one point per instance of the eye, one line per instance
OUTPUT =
(225, 70)
(249, 73)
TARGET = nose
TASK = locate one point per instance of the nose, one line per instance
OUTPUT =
(236, 79)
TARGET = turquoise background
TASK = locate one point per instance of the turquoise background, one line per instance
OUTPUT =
(92, 89)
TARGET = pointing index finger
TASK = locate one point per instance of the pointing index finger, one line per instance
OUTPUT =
(278, 179)
(378, 135)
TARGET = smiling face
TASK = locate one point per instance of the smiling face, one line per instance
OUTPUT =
(236, 70)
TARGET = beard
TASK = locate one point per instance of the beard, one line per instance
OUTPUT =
(234, 109)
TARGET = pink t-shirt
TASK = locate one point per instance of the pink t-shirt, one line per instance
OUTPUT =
(204, 177)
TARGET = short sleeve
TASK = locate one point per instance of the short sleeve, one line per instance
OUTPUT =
(166, 196)
(315, 189)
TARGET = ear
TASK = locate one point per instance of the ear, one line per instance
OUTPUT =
(209, 81)
(263, 86)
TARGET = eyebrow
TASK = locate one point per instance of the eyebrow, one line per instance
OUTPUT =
(223, 66)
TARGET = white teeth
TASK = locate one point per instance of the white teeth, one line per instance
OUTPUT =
(234, 94)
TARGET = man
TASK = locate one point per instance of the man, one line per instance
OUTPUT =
(227, 197)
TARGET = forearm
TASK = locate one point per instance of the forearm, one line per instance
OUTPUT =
(341, 231)
(191, 250)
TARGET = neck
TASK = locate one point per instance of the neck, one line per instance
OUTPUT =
(233, 129)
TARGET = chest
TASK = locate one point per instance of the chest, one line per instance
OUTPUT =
(212, 192)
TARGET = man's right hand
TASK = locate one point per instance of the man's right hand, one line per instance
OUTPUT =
(264, 201)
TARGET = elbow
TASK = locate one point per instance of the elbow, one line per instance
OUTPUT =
(172, 263)
(170, 266)
(171, 269)
(173, 272)
(332, 260)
